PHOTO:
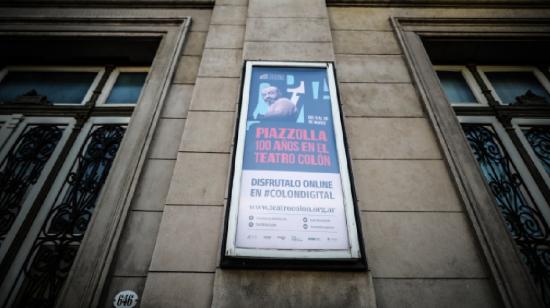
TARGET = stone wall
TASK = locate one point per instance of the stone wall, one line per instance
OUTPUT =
(185, 257)
(131, 267)
(420, 245)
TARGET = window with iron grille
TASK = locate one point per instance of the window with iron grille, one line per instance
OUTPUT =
(61, 128)
(504, 113)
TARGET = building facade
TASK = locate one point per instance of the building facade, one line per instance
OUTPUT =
(130, 112)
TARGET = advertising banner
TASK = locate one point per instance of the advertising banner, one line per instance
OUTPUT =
(288, 192)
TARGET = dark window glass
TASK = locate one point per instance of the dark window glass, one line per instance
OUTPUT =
(127, 88)
(59, 87)
(510, 85)
(455, 87)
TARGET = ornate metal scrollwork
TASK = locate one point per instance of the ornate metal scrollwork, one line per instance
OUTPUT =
(525, 222)
(539, 139)
(54, 250)
(21, 169)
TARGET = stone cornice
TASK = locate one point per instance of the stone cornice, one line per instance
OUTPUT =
(111, 3)
(443, 3)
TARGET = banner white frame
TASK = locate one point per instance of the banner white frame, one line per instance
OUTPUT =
(354, 250)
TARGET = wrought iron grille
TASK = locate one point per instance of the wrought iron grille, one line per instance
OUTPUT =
(21, 169)
(539, 139)
(524, 221)
(55, 248)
